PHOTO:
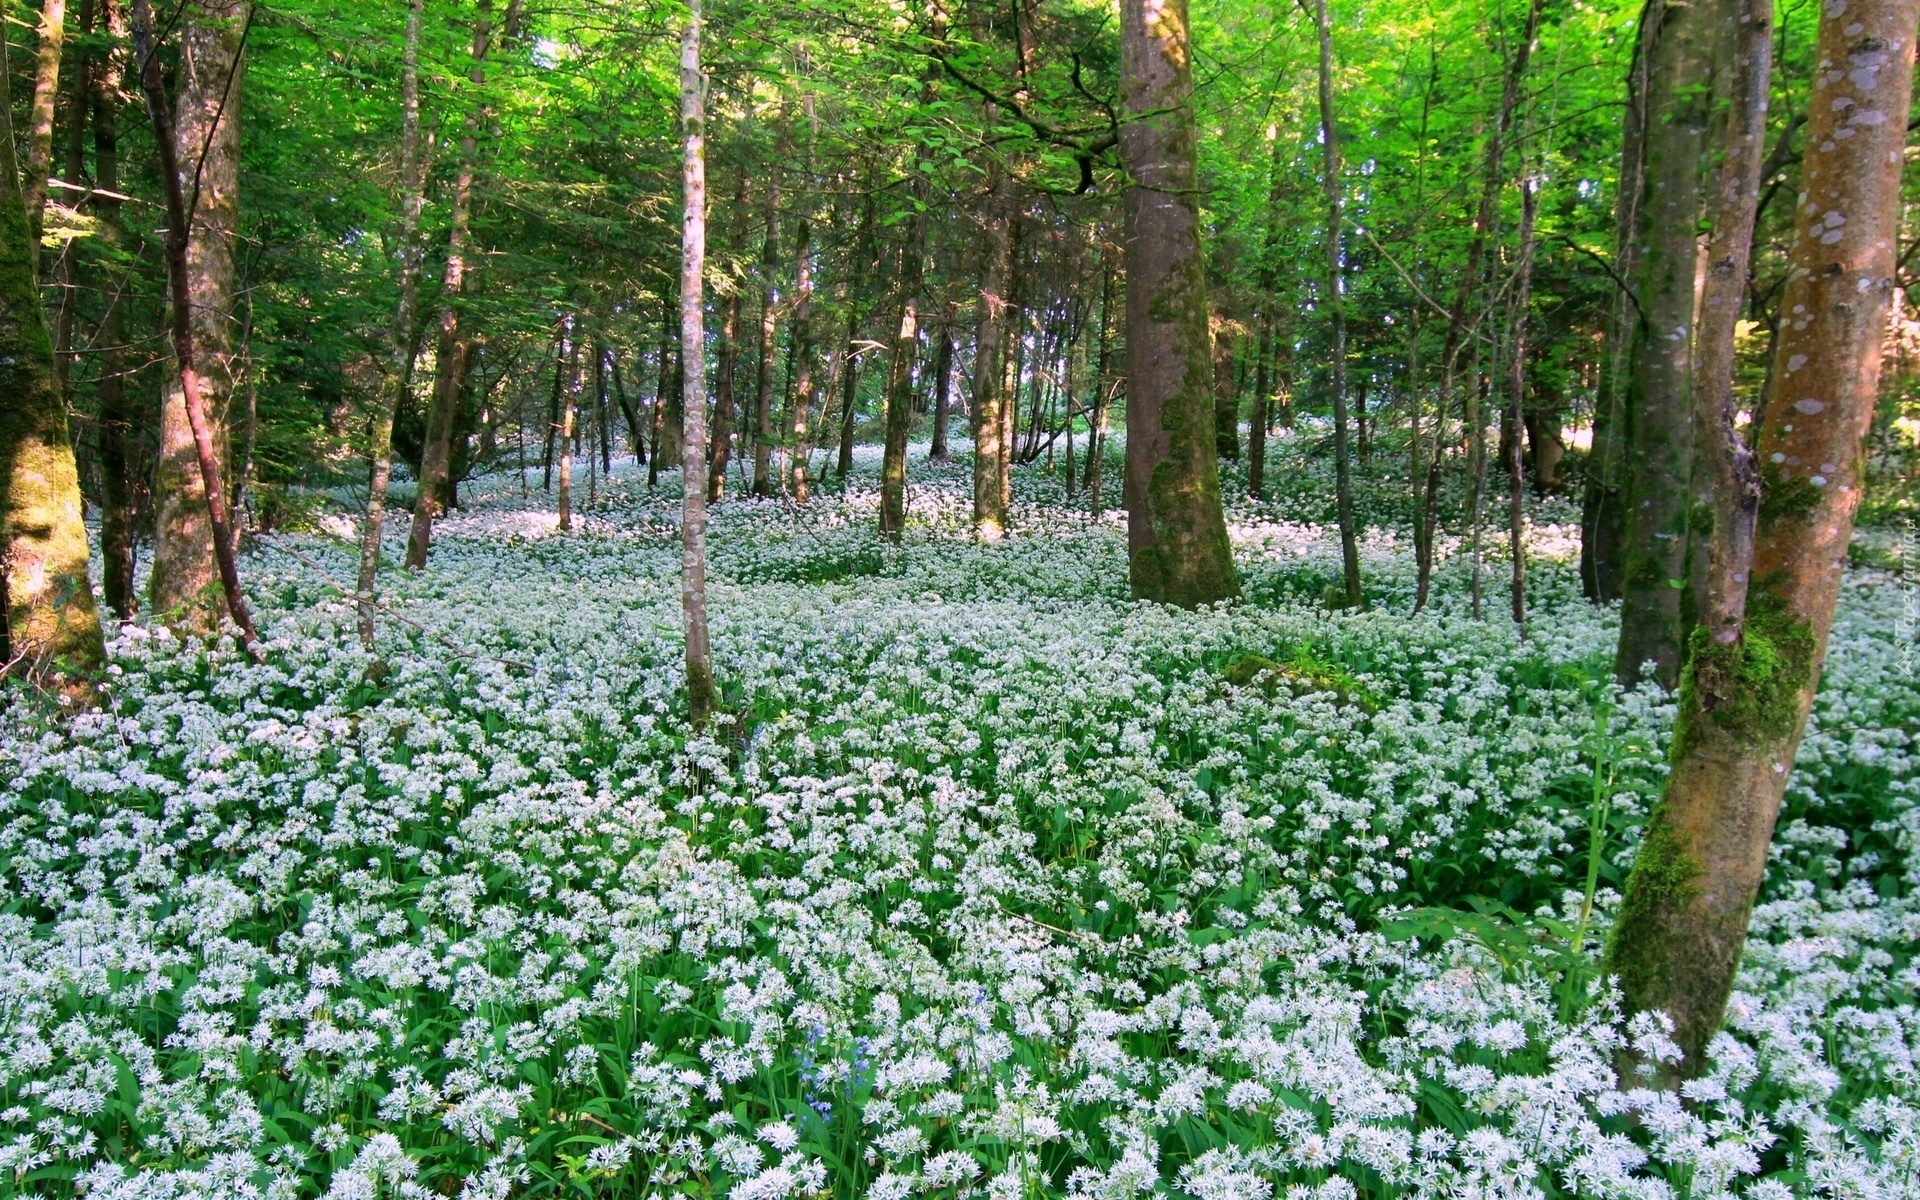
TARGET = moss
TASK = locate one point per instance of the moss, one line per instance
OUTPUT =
(1305, 671)
(1700, 519)
(1664, 879)
(1751, 688)
(1784, 497)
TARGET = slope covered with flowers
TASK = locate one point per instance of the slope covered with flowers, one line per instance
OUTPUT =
(990, 884)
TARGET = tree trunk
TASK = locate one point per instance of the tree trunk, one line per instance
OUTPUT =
(46, 85)
(990, 448)
(769, 328)
(412, 199)
(568, 404)
(723, 399)
(553, 404)
(942, 384)
(1679, 104)
(802, 337)
(1336, 303)
(193, 544)
(1677, 942)
(1516, 408)
(693, 341)
(1178, 550)
(454, 345)
(116, 415)
(849, 397)
(49, 627)
(1603, 514)
(1493, 178)
(602, 411)
(636, 432)
(1226, 399)
(899, 419)
(1101, 400)
(79, 89)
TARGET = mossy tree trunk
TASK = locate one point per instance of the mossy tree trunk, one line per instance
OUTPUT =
(1756, 654)
(46, 85)
(1178, 552)
(1660, 406)
(990, 447)
(48, 623)
(117, 416)
(899, 417)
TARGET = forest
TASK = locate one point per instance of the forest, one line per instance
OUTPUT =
(959, 599)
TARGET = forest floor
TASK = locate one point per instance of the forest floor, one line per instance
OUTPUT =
(989, 883)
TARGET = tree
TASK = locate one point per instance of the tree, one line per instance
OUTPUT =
(1335, 301)
(199, 250)
(450, 362)
(693, 266)
(413, 188)
(1783, 513)
(1660, 409)
(1178, 551)
(48, 624)
(200, 175)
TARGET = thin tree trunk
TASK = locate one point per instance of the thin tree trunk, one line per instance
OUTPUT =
(990, 447)
(693, 340)
(1679, 104)
(454, 345)
(849, 396)
(1336, 303)
(636, 434)
(942, 385)
(553, 404)
(1102, 394)
(568, 403)
(1493, 179)
(412, 200)
(49, 628)
(116, 419)
(81, 79)
(603, 412)
(723, 399)
(899, 419)
(657, 415)
(769, 328)
(1516, 402)
(1226, 399)
(46, 85)
(1178, 552)
(199, 248)
(1756, 659)
(802, 348)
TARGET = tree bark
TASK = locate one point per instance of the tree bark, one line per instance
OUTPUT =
(1679, 104)
(1178, 552)
(1101, 399)
(454, 345)
(802, 335)
(569, 403)
(116, 415)
(1677, 942)
(990, 448)
(693, 340)
(190, 550)
(723, 401)
(1604, 513)
(49, 628)
(1516, 407)
(942, 385)
(1336, 304)
(1493, 178)
(46, 85)
(412, 199)
(79, 87)
(899, 419)
(769, 329)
